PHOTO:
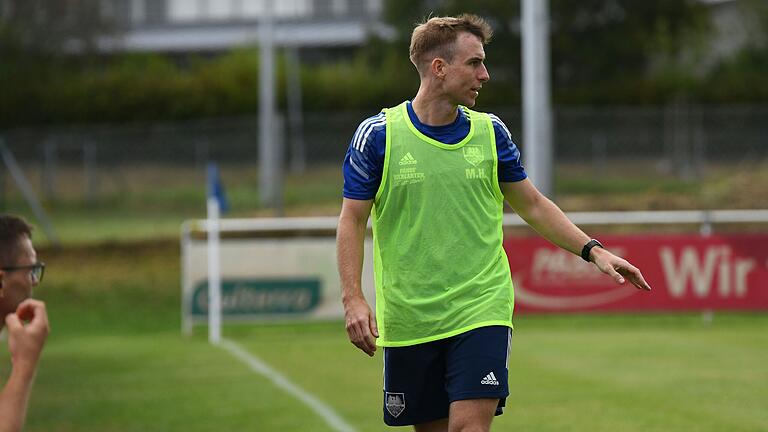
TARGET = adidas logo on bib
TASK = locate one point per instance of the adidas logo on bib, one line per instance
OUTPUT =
(408, 159)
(490, 379)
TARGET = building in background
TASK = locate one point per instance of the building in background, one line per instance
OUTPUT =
(214, 25)
(186, 26)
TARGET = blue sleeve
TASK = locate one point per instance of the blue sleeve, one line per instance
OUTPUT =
(364, 162)
(510, 167)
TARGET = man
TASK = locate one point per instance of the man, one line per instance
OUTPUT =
(435, 174)
(26, 319)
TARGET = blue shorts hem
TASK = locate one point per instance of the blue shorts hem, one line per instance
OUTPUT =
(478, 395)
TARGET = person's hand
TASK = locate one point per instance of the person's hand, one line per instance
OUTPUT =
(618, 268)
(361, 324)
(25, 340)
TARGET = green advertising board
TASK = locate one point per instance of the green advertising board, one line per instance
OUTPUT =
(260, 297)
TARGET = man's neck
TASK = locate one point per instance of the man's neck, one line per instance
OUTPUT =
(433, 110)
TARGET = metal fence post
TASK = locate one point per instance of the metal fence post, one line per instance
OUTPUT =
(298, 162)
(90, 171)
(50, 165)
(599, 153)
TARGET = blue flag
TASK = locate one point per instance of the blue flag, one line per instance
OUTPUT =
(216, 188)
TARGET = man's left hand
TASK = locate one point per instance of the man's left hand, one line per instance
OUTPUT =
(618, 268)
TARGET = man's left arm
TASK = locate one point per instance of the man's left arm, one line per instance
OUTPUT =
(549, 221)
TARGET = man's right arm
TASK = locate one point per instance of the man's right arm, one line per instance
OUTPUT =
(25, 343)
(350, 239)
(363, 167)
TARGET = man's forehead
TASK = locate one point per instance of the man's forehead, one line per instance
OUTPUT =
(470, 46)
(26, 250)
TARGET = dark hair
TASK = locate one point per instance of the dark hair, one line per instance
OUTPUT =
(12, 230)
(436, 36)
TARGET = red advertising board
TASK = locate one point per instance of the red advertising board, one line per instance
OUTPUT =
(686, 272)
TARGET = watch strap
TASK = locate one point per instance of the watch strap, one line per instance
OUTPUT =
(588, 248)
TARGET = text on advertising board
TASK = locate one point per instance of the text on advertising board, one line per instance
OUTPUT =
(260, 296)
(685, 272)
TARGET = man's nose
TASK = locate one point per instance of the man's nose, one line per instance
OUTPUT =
(484, 75)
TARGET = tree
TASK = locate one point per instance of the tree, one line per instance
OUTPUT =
(600, 40)
(594, 43)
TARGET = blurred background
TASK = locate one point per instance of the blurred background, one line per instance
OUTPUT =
(110, 111)
(116, 106)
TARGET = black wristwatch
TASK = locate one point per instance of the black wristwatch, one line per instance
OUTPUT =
(588, 248)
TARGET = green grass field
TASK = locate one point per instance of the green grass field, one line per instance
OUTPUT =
(115, 361)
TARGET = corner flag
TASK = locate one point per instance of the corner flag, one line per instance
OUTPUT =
(216, 188)
(216, 203)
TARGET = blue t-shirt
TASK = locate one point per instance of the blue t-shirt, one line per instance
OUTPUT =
(364, 162)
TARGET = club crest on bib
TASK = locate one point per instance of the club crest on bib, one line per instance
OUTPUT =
(473, 154)
(395, 403)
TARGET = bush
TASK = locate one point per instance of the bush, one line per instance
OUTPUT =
(39, 89)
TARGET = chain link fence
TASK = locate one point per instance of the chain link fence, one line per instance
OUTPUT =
(682, 140)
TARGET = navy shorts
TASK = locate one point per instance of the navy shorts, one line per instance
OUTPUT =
(421, 381)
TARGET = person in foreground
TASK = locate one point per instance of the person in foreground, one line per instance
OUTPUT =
(434, 174)
(26, 319)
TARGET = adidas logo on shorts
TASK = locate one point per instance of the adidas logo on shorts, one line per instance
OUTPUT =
(490, 379)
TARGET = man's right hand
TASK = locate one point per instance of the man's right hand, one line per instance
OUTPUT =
(25, 341)
(361, 324)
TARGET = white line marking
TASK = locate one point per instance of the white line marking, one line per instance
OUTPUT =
(334, 420)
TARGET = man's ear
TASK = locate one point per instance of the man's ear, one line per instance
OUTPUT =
(438, 67)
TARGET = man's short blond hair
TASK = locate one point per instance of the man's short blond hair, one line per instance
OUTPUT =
(436, 37)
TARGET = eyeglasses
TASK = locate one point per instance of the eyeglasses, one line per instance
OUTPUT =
(37, 270)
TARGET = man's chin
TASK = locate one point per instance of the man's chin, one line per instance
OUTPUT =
(8, 307)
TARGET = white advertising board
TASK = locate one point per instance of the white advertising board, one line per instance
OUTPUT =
(268, 278)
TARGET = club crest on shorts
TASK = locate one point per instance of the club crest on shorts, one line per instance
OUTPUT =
(473, 154)
(395, 403)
